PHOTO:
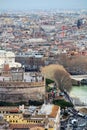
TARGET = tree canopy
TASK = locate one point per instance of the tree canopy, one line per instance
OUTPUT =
(58, 74)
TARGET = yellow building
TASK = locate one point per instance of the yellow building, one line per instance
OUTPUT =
(47, 117)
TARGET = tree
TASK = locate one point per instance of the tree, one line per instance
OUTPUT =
(62, 79)
(62, 103)
(58, 74)
(63, 60)
(78, 65)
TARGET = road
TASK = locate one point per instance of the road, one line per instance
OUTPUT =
(80, 123)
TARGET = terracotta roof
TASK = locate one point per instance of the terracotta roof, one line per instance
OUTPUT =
(37, 128)
(54, 111)
(16, 110)
(9, 109)
(21, 126)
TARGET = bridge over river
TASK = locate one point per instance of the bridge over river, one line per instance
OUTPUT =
(78, 77)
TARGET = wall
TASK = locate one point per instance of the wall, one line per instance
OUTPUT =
(21, 91)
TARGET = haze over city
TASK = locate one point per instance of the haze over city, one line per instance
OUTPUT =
(43, 65)
(42, 4)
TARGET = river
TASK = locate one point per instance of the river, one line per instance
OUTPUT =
(79, 92)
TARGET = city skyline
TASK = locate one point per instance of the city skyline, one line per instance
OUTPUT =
(46, 4)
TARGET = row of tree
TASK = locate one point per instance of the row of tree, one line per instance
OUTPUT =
(73, 64)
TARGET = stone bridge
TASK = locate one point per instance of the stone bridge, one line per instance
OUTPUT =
(78, 77)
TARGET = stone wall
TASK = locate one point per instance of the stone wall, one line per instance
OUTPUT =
(21, 91)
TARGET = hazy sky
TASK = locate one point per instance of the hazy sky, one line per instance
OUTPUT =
(42, 4)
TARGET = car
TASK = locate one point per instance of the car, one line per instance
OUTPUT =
(62, 128)
(81, 115)
(73, 121)
(85, 116)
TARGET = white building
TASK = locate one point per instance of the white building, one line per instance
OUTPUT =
(52, 113)
(8, 57)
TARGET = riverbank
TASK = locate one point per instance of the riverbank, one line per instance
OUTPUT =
(79, 94)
